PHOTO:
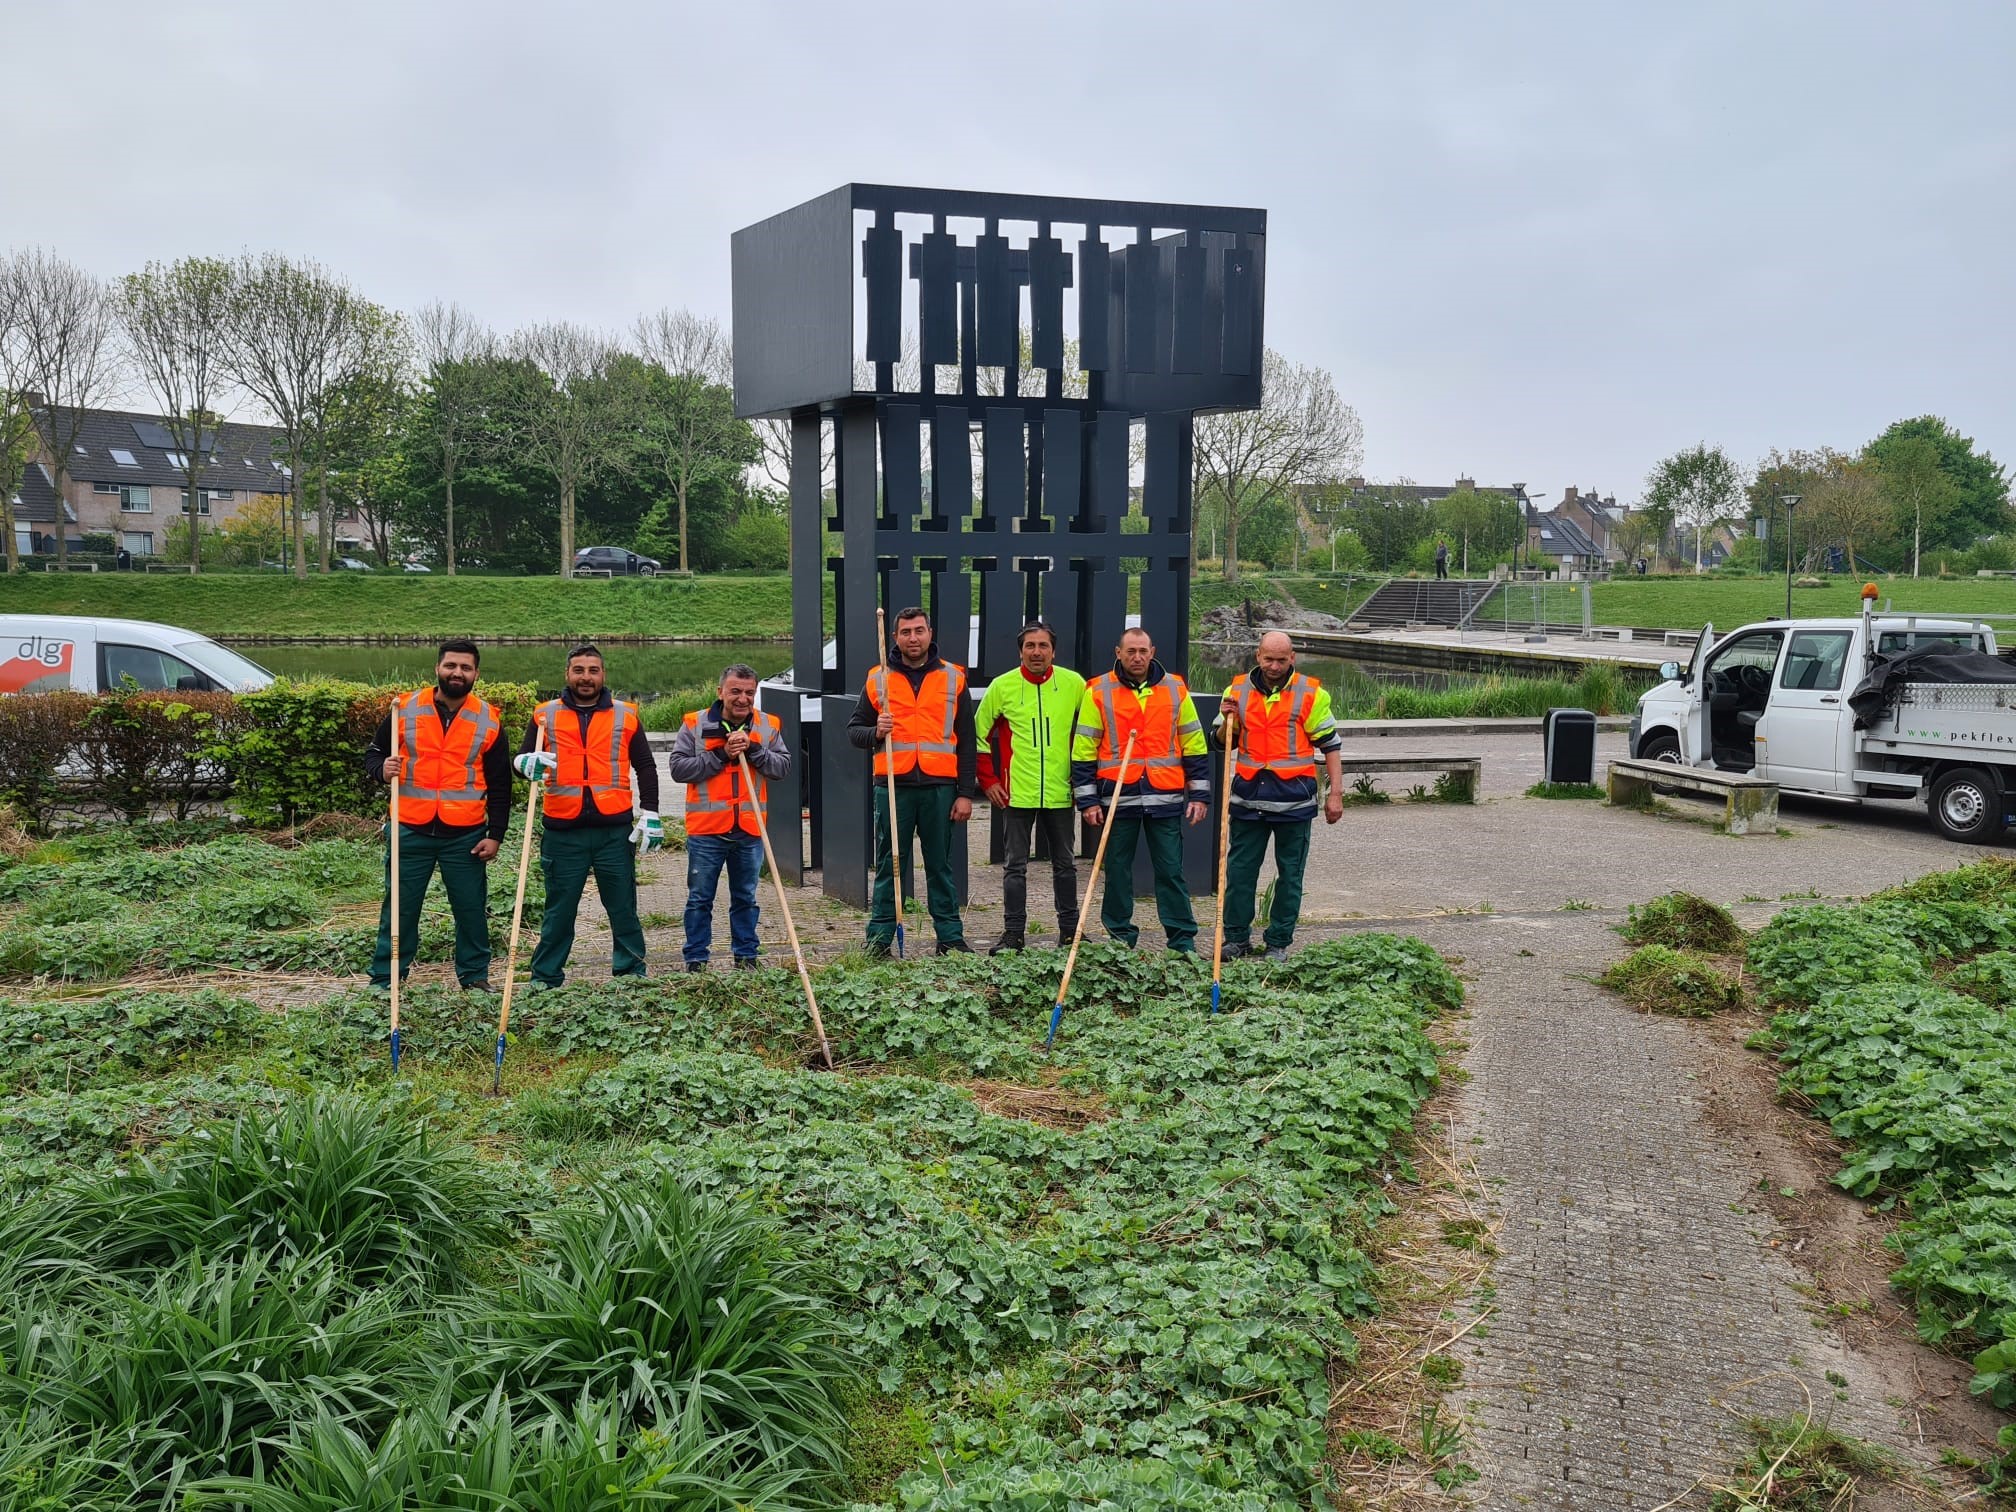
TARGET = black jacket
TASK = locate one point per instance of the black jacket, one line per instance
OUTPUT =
(861, 728)
(590, 816)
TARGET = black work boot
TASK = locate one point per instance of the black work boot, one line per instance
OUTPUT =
(954, 947)
(1008, 944)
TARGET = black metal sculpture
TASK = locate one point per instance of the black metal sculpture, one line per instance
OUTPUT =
(996, 379)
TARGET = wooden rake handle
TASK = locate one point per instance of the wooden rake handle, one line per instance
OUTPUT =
(784, 908)
(1098, 860)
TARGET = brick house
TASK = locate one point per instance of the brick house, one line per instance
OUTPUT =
(126, 480)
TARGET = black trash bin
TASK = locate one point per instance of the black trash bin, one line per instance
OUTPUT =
(1570, 745)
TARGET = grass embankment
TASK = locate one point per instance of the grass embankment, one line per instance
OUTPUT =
(1601, 689)
(701, 608)
(1686, 603)
(960, 1273)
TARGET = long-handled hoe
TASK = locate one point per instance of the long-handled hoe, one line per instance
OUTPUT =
(394, 832)
(1231, 726)
(889, 757)
(517, 914)
(783, 907)
(1098, 861)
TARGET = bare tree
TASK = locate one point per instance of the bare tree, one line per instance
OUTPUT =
(177, 318)
(567, 419)
(691, 424)
(1302, 433)
(454, 349)
(65, 326)
(1847, 502)
(297, 334)
(16, 424)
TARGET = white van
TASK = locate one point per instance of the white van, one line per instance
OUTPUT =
(50, 653)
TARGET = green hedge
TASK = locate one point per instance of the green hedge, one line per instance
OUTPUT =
(283, 754)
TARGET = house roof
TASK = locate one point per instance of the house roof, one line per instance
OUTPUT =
(35, 499)
(1428, 493)
(125, 446)
(1561, 536)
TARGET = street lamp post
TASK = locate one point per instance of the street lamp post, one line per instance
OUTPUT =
(1791, 502)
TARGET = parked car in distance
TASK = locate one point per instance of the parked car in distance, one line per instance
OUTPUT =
(414, 567)
(53, 653)
(615, 561)
(351, 564)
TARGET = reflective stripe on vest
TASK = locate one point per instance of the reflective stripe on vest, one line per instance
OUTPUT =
(1158, 752)
(441, 770)
(720, 804)
(600, 767)
(1265, 743)
(925, 720)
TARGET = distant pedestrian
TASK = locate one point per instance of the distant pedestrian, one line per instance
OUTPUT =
(1024, 760)
(723, 827)
(1168, 783)
(1441, 560)
(915, 709)
(1282, 722)
(454, 809)
(593, 745)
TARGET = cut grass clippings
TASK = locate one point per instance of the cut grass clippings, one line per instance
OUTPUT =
(1683, 921)
(1673, 983)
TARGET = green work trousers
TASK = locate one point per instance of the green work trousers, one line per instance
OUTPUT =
(923, 814)
(1242, 879)
(1172, 898)
(566, 857)
(462, 878)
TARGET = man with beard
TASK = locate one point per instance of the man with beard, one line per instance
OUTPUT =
(1280, 721)
(454, 775)
(591, 747)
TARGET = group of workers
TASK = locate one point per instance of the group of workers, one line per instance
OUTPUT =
(1045, 746)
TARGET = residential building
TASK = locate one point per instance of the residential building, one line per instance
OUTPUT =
(127, 480)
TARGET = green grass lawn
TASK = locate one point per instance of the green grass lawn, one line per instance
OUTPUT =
(1687, 603)
(704, 608)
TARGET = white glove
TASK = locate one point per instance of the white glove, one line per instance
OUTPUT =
(533, 766)
(650, 830)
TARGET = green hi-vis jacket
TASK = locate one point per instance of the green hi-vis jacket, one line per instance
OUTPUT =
(1025, 736)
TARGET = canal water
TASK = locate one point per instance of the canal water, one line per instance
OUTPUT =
(642, 673)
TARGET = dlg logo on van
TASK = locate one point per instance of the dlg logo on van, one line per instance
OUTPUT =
(36, 665)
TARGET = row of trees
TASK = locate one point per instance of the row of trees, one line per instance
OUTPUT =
(432, 430)
(1919, 488)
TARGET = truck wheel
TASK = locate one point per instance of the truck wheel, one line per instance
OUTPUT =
(1660, 746)
(1965, 804)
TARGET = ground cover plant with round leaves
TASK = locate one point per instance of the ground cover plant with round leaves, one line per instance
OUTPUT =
(1135, 1292)
(1893, 1025)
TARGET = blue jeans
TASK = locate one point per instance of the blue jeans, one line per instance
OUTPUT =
(705, 856)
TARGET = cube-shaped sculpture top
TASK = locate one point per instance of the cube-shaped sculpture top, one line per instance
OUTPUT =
(873, 290)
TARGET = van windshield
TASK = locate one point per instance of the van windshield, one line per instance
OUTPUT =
(224, 664)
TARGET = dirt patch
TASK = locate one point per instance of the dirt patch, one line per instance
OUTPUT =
(1396, 1436)
(1052, 1107)
(324, 827)
(1835, 1240)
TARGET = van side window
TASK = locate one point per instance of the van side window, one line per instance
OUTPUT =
(1816, 660)
(152, 671)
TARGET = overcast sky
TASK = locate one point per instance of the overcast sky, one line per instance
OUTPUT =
(1534, 243)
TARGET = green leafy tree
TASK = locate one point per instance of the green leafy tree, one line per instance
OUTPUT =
(1781, 474)
(687, 427)
(1698, 488)
(458, 354)
(1847, 505)
(1479, 518)
(570, 413)
(1921, 493)
(178, 320)
(1981, 507)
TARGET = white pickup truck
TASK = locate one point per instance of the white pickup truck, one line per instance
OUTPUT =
(1772, 699)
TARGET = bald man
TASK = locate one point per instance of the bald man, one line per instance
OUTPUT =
(1281, 721)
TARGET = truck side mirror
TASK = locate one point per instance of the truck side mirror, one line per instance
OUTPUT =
(1669, 671)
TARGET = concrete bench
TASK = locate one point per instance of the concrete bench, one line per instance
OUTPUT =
(1748, 802)
(1682, 637)
(1466, 771)
(71, 567)
(593, 572)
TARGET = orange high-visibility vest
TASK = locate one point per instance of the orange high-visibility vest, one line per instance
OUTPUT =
(1152, 716)
(1271, 739)
(441, 769)
(723, 804)
(923, 736)
(597, 767)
